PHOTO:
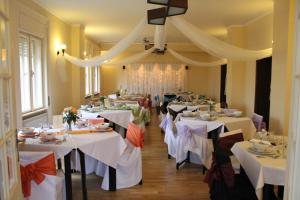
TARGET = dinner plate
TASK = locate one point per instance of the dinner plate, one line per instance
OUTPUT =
(267, 152)
(28, 135)
(108, 129)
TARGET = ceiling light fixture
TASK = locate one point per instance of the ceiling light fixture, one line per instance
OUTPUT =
(157, 16)
(177, 7)
(159, 2)
(171, 8)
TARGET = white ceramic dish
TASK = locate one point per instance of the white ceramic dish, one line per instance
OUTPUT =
(27, 131)
(102, 126)
(261, 146)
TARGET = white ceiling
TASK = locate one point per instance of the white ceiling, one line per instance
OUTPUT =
(108, 21)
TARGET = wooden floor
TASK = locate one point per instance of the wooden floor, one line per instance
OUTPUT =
(161, 180)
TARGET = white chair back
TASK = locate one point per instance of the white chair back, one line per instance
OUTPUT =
(257, 121)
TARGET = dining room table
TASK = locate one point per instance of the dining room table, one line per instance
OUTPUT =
(119, 117)
(225, 123)
(104, 146)
(264, 170)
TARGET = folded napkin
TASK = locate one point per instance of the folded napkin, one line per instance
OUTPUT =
(260, 141)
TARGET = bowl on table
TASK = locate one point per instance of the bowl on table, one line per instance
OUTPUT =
(102, 126)
(44, 136)
(237, 113)
(205, 116)
(27, 131)
(260, 145)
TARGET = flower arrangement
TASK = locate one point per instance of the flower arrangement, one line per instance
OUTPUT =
(69, 116)
(211, 105)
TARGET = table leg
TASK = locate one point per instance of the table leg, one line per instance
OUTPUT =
(68, 176)
(268, 192)
(83, 175)
(112, 179)
(59, 163)
(125, 132)
(280, 191)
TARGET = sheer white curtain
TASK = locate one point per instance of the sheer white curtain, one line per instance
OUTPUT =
(154, 78)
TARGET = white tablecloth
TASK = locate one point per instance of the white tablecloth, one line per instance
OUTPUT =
(119, 117)
(178, 107)
(232, 123)
(244, 123)
(260, 170)
(106, 147)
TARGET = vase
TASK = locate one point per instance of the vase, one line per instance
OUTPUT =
(69, 126)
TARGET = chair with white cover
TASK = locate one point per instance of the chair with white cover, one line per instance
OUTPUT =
(234, 161)
(170, 136)
(257, 121)
(129, 167)
(195, 141)
(112, 96)
(40, 180)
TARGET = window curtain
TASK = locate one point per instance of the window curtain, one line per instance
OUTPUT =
(154, 78)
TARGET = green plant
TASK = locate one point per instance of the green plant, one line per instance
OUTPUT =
(70, 115)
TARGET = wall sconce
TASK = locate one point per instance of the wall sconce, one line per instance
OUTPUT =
(186, 67)
(124, 67)
(63, 48)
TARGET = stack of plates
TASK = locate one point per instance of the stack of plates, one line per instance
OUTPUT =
(266, 152)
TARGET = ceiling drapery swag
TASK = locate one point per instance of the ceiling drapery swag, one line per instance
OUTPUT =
(196, 63)
(132, 59)
(215, 46)
(114, 51)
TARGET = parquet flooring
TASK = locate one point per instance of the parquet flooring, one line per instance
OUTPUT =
(161, 180)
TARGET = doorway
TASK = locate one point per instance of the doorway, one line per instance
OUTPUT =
(263, 88)
(223, 85)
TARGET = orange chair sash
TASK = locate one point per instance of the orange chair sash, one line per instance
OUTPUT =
(135, 135)
(36, 171)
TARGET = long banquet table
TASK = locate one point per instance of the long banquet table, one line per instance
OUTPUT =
(119, 117)
(260, 170)
(106, 147)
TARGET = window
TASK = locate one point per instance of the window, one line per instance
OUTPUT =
(31, 73)
(92, 80)
(96, 80)
(88, 81)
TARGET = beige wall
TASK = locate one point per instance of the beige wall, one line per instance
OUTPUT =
(281, 78)
(256, 35)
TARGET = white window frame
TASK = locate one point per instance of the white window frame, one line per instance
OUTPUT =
(88, 81)
(96, 80)
(92, 77)
(43, 107)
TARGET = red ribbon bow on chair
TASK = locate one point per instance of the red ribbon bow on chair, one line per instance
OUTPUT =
(36, 171)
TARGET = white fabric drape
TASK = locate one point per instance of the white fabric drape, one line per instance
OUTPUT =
(132, 59)
(215, 46)
(196, 63)
(160, 37)
(154, 79)
(115, 50)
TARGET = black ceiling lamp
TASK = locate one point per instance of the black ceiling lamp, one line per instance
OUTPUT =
(177, 7)
(157, 16)
(159, 2)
